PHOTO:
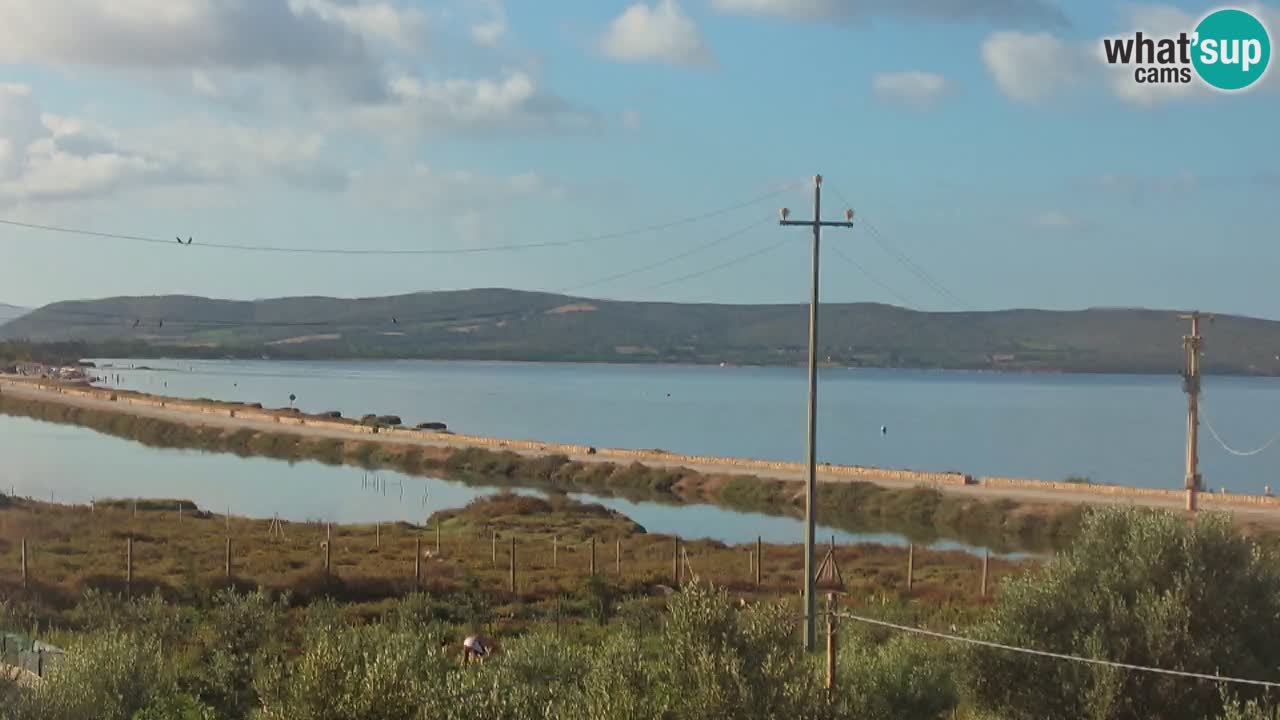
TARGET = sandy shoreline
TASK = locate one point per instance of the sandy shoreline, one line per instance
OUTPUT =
(235, 417)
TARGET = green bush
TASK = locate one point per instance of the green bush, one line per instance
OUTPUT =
(1137, 587)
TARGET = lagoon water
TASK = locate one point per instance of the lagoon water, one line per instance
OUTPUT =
(1114, 429)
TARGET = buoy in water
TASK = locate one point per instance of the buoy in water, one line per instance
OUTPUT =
(884, 430)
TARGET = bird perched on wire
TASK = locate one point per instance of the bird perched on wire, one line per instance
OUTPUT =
(395, 321)
(188, 242)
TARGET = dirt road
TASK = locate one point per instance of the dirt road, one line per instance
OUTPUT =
(1263, 514)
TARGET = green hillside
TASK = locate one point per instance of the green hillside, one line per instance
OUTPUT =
(493, 324)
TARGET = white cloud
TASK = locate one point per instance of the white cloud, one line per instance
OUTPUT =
(661, 33)
(513, 102)
(912, 88)
(1058, 220)
(337, 43)
(491, 31)
(1030, 67)
(457, 192)
(45, 156)
(1028, 12)
(631, 119)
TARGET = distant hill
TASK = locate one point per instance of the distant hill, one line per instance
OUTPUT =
(494, 324)
(11, 312)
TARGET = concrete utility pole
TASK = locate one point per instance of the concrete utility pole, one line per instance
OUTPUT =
(1192, 345)
(810, 602)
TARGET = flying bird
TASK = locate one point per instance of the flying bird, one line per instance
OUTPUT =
(162, 323)
(135, 322)
(395, 321)
(188, 242)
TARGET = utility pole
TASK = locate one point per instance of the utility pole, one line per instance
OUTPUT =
(811, 485)
(1192, 345)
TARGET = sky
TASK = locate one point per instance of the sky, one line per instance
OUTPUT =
(992, 159)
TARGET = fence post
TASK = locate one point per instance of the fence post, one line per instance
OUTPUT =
(555, 552)
(228, 520)
(24, 562)
(437, 539)
(328, 547)
(986, 559)
(377, 536)
(618, 558)
(911, 563)
(513, 564)
(179, 511)
(128, 564)
(831, 642)
(228, 570)
(495, 550)
(417, 561)
(675, 563)
(593, 556)
(759, 560)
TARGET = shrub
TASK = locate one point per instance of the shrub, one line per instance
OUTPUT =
(1138, 587)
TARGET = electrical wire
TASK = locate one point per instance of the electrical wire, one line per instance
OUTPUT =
(1204, 414)
(721, 266)
(1057, 656)
(425, 251)
(668, 260)
(898, 254)
(867, 274)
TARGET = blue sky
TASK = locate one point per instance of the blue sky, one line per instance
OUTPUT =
(982, 138)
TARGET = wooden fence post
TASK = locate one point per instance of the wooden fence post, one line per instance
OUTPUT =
(911, 563)
(437, 539)
(228, 569)
(495, 550)
(513, 564)
(417, 561)
(328, 548)
(618, 558)
(179, 511)
(128, 564)
(831, 642)
(593, 556)
(555, 551)
(675, 563)
(759, 560)
(377, 536)
(986, 559)
(24, 562)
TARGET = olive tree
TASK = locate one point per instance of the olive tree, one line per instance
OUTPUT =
(1138, 587)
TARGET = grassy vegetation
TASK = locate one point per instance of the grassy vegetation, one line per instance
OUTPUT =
(635, 652)
(923, 514)
(72, 549)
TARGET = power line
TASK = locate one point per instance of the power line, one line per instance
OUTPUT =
(721, 266)
(115, 319)
(867, 274)
(1239, 453)
(1056, 656)
(425, 251)
(667, 260)
(911, 265)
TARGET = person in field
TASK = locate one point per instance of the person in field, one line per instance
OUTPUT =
(474, 647)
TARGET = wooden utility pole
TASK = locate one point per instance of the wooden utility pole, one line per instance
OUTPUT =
(811, 484)
(1192, 345)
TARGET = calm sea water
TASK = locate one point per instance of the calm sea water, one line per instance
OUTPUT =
(1121, 429)
(1115, 429)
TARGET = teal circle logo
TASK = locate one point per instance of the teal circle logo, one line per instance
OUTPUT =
(1232, 49)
